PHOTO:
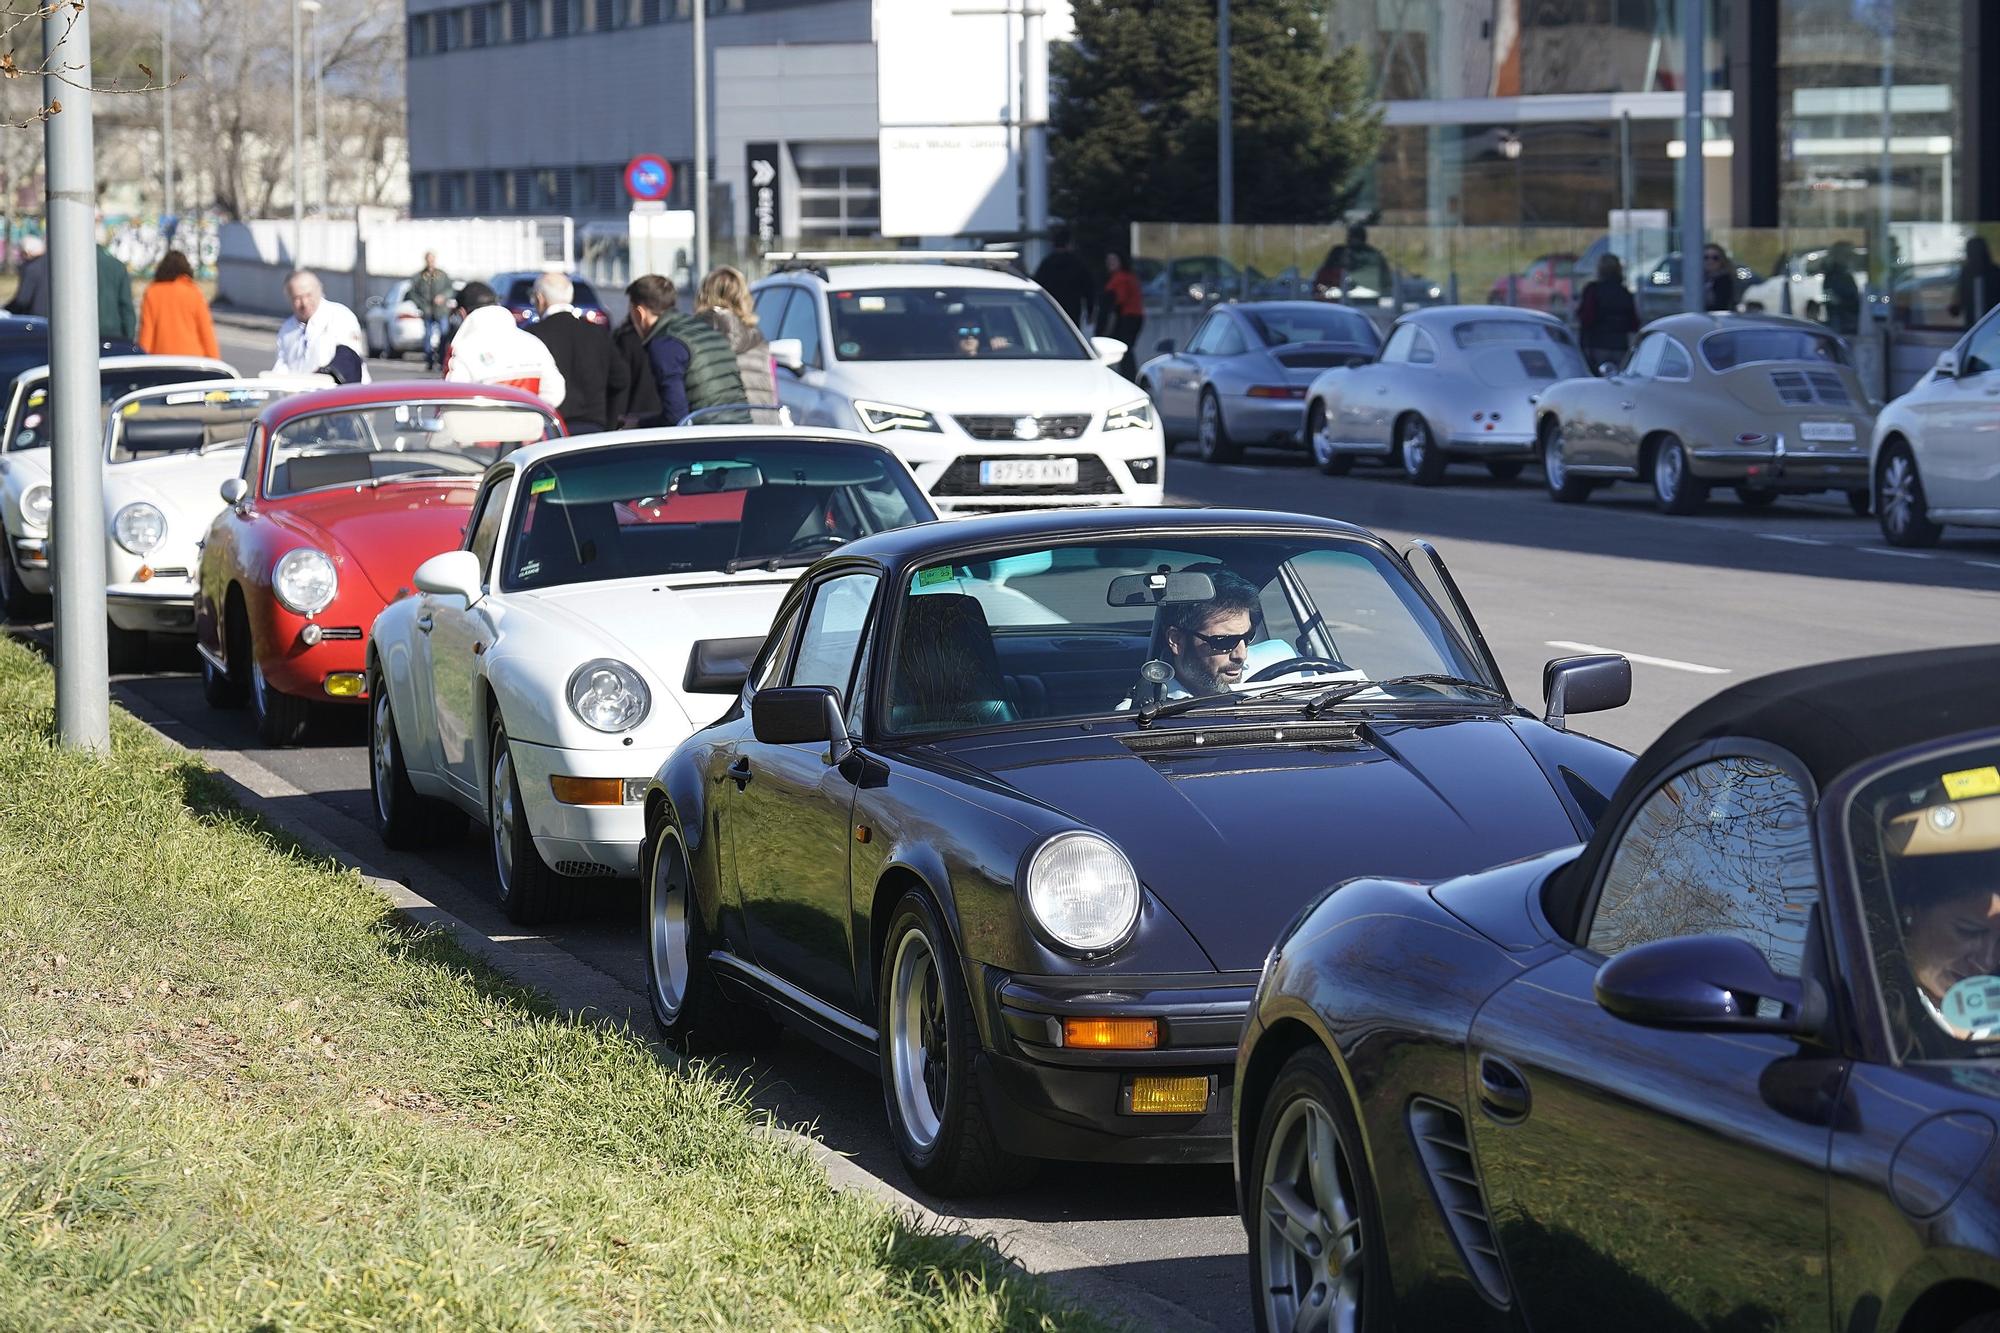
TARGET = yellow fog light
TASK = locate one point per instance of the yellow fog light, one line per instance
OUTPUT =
(1154, 1094)
(1111, 1034)
(344, 684)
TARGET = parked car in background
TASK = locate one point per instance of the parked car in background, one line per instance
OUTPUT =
(986, 814)
(24, 344)
(26, 499)
(1932, 456)
(1762, 403)
(517, 292)
(1659, 291)
(1753, 1013)
(1243, 376)
(344, 493)
(392, 324)
(542, 672)
(972, 374)
(1456, 382)
(1797, 286)
(1550, 282)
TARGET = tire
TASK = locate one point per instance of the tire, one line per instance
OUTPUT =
(219, 688)
(530, 892)
(1211, 437)
(1505, 469)
(281, 718)
(1565, 487)
(1330, 460)
(1676, 490)
(1423, 461)
(1900, 507)
(1989, 1322)
(1755, 499)
(404, 819)
(21, 606)
(689, 1008)
(1860, 503)
(937, 1110)
(127, 649)
(1306, 1211)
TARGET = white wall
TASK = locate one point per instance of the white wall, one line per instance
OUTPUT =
(256, 256)
(786, 94)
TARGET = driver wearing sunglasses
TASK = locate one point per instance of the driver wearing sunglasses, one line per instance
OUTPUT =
(1208, 643)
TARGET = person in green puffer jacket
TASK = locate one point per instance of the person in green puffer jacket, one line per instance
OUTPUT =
(692, 364)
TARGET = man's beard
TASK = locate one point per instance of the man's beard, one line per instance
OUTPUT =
(1198, 679)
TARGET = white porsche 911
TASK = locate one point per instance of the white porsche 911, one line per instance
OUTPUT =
(542, 673)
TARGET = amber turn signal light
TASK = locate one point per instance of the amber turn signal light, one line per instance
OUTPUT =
(587, 791)
(1111, 1034)
(344, 684)
(1163, 1095)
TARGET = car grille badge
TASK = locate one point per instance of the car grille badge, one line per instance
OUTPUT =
(1027, 428)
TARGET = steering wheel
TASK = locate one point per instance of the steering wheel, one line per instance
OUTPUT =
(1291, 664)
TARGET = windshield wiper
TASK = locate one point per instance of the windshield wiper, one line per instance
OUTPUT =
(804, 552)
(1339, 693)
(407, 474)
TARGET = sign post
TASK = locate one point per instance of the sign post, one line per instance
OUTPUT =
(766, 203)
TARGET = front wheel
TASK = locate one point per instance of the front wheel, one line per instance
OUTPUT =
(1676, 490)
(1565, 487)
(1423, 461)
(1316, 1234)
(1320, 439)
(937, 1112)
(20, 605)
(281, 718)
(689, 1007)
(1900, 506)
(529, 890)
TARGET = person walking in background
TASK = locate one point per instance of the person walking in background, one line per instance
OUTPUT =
(692, 365)
(582, 353)
(1718, 279)
(31, 297)
(1064, 276)
(1122, 312)
(117, 317)
(430, 292)
(490, 348)
(1978, 283)
(174, 319)
(632, 396)
(322, 337)
(1606, 315)
(724, 304)
(1839, 290)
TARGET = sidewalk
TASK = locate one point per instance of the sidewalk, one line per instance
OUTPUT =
(245, 319)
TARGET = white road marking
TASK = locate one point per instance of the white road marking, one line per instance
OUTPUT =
(1787, 537)
(1669, 663)
(1907, 555)
(1984, 564)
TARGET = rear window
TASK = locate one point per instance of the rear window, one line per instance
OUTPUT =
(1279, 328)
(1741, 347)
(523, 293)
(35, 427)
(1488, 332)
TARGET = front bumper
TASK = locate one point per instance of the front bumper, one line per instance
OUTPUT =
(1120, 467)
(154, 606)
(1059, 1102)
(31, 562)
(588, 841)
(1493, 444)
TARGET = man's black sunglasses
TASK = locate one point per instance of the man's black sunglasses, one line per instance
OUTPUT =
(1223, 643)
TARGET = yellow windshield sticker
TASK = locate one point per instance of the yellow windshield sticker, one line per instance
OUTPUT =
(934, 575)
(1970, 782)
(542, 487)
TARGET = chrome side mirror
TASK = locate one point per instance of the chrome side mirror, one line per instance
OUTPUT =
(235, 491)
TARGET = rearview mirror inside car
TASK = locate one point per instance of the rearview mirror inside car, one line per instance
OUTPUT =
(715, 478)
(1707, 983)
(719, 666)
(453, 574)
(1589, 684)
(789, 353)
(1158, 589)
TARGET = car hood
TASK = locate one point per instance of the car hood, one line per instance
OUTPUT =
(186, 488)
(386, 531)
(989, 386)
(1235, 838)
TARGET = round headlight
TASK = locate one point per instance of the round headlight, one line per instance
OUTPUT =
(1082, 889)
(608, 695)
(304, 580)
(139, 527)
(36, 502)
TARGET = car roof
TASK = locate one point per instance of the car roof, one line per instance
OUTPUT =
(908, 545)
(137, 363)
(844, 276)
(1445, 315)
(396, 391)
(530, 454)
(1252, 307)
(1696, 322)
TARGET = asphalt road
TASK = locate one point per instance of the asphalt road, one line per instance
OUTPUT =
(1697, 603)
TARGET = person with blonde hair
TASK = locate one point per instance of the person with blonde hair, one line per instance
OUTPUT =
(724, 304)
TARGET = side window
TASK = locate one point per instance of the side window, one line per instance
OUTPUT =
(1423, 351)
(770, 305)
(831, 638)
(1674, 363)
(1204, 337)
(1982, 350)
(1645, 362)
(1228, 338)
(485, 539)
(1724, 848)
(780, 646)
(1398, 346)
(801, 321)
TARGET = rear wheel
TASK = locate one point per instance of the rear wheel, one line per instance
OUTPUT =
(403, 818)
(1320, 440)
(529, 890)
(1900, 506)
(1212, 432)
(1676, 490)
(1423, 461)
(1751, 498)
(689, 1008)
(1505, 469)
(1565, 487)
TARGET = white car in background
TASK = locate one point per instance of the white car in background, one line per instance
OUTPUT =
(974, 376)
(25, 434)
(610, 590)
(392, 324)
(167, 452)
(1932, 458)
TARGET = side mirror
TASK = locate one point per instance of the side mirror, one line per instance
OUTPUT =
(799, 715)
(1165, 347)
(1947, 366)
(1585, 685)
(375, 303)
(1109, 350)
(789, 353)
(234, 491)
(453, 574)
(719, 666)
(1607, 369)
(1707, 983)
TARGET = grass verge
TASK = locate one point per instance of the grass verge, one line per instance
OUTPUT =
(235, 1093)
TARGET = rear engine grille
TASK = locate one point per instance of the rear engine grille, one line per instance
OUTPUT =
(1803, 388)
(1441, 1141)
(1011, 427)
(1319, 358)
(584, 870)
(339, 632)
(962, 478)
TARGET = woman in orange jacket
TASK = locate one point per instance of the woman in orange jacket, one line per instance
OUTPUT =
(173, 319)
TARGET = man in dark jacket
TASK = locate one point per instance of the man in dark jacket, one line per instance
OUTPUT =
(1064, 275)
(631, 396)
(430, 293)
(117, 317)
(693, 366)
(32, 296)
(582, 352)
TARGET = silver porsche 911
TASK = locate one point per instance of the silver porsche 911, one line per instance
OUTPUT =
(1453, 382)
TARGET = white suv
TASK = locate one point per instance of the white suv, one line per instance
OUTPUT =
(973, 376)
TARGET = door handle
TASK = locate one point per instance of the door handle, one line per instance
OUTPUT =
(1503, 1092)
(424, 622)
(739, 773)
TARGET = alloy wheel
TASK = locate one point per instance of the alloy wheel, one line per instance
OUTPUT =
(1415, 447)
(1309, 1221)
(1320, 437)
(1209, 426)
(1669, 473)
(506, 810)
(381, 751)
(668, 914)
(917, 1039)
(1554, 461)
(1899, 493)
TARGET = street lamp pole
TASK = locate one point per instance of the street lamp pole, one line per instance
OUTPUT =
(1225, 145)
(700, 140)
(298, 146)
(167, 117)
(312, 7)
(1694, 207)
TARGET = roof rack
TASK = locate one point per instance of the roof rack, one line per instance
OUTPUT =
(818, 259)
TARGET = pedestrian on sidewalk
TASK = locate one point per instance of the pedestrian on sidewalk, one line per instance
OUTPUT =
(430, 292)
(724, 304)
(1122, 312)
(117, 317)
(174, 318)
(1978, 283)
(31, 296)
(322, 337)
(692, 365)
(490, 348)
(1718, 277)
(582, 352)
(1064, 276)
(1606, 315)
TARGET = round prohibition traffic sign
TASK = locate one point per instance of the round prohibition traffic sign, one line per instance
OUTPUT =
(649, 177)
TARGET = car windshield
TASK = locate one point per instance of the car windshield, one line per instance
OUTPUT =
(1740, 347)
(1134, 624)
(1309, 324)
(951, 324)
(34, 421)
(522, 292)
(396, 441)
(704, 506)
(186, 421)
(1926, 847)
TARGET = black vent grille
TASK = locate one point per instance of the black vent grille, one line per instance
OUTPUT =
(962, 478)
(1008, 427)
(1267, 733)
(1803, 388)
(584, 870)
(340, 632)
(1441, 1141)
(1319, 358)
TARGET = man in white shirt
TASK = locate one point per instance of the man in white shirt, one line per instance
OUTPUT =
(490, 348)
(322, 337)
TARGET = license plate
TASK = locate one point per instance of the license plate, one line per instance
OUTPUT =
(1028, 472)
(1841, 431)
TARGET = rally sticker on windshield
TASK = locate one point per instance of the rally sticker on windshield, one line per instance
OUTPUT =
(542, 487)
(934, 575)
(1970, 782)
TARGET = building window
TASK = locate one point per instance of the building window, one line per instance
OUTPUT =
(838, 200)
